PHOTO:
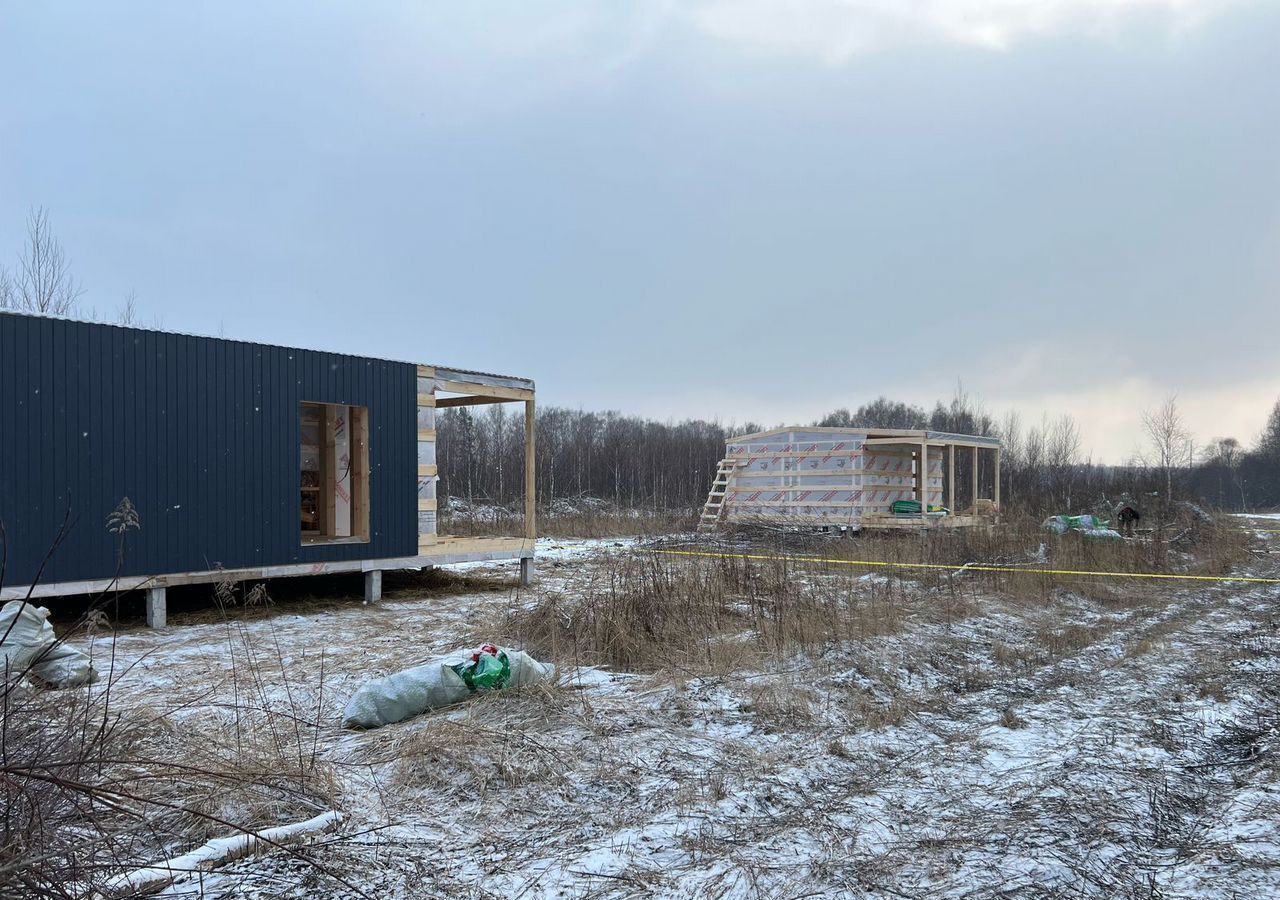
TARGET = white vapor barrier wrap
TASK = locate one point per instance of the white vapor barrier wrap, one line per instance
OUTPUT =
(426, 521)
(32, 647)
(426, 453)
(414, 691)
(823, 477)
(426, 418)
(427, 487)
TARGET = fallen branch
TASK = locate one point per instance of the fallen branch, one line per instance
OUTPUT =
(216, 852)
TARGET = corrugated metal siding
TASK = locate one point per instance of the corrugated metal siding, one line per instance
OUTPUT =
(201, 434)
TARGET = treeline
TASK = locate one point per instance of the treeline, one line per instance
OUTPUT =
(633, 462)
(642, 464)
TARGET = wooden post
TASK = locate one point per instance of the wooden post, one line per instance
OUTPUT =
(373, 586)
(997, 487)
(973, 451)
(951, 478)
(923, 493)
(526, 571)
(157, 608)
(329, 472)
(530, 474)
(360, 478)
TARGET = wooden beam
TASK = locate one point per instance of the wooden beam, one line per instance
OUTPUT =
(426, 505)
(426, 371)
(483, 390)
(448, 402)
(426, 399)
(530, 472)
(898, 442)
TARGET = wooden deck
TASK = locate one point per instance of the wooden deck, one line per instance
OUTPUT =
(436, 551)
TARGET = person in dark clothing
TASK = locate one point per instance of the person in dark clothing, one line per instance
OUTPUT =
(1127, 516)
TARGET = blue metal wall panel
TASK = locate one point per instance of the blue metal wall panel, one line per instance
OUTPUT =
(201, 434)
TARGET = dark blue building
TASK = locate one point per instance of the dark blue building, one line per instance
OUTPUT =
(258, 460)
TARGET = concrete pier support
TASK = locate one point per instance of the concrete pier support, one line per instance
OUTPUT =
(157, 608)
(373, 586)
(526, 572)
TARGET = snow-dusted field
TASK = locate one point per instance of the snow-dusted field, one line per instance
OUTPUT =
(1114, 747)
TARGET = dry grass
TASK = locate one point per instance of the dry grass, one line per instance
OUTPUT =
(89, 790)
(651, 612)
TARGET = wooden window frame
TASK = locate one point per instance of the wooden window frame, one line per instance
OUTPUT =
(326, 490)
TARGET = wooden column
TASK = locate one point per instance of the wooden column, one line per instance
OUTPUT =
(951, 478)
(997, 487)
(974, 452)
(530, 474)
(923, 493)
(328, 472)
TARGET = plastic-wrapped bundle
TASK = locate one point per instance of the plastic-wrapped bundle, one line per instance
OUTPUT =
(32, 647)
(1088, 525)
(442, 682)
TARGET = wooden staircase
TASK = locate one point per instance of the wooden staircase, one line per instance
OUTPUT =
(713, 509)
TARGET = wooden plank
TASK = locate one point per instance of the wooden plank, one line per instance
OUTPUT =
(360, 488)
(833, 504)
(922, 480)
(426, 371)
(448, 545)
(483, 390)
(899, 442)
(530, 471)
(450, 402)
(431, 552)
(974, 452)
(808, 473)
(328, 470)
(424, 471)
(427, 434)
(951, 478)
(427, 400)
(426, 505)
(996, 495)
(790, 454)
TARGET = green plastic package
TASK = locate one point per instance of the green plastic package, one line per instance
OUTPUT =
(488, 670)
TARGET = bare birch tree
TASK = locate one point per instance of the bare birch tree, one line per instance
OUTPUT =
(43, 283)
(1169, 441)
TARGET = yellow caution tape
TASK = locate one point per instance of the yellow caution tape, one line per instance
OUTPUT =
(965, 567)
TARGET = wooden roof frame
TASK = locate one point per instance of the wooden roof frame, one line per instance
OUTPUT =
(476, 388)
(881, 436)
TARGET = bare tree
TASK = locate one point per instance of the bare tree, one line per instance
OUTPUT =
(44, 283)
(8, 293)
(129, 311)
(1169, 441)
(1269, 440)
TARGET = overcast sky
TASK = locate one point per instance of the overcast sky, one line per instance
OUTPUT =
(746, 210)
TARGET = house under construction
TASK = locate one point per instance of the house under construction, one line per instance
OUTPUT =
(239, 461)
(855, 478)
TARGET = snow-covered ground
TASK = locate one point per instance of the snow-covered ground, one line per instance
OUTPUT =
(1120, 747)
